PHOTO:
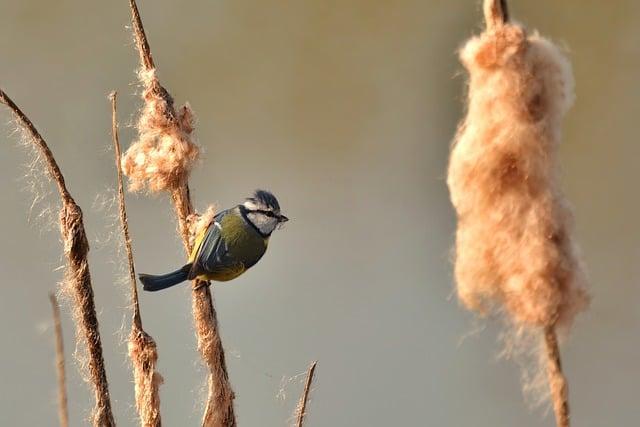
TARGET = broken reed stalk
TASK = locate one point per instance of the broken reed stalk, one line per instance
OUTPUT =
(161, 160)
(515, 252)
(143, 350)
(63, 412)
(301, 409)
(77, 280)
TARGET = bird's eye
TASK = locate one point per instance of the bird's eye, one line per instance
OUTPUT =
(270, 214)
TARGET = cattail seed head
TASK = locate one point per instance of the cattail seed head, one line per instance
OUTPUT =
(164, 154)
(143, 353)
(514, 243)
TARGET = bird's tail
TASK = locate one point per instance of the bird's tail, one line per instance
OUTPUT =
(156, 283)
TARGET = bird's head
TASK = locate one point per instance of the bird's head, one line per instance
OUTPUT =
(263, 211)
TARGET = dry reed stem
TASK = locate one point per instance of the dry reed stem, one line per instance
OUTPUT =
(143, 350)
(496, 13)
(557, 381)
(63, 412)
(515, 250)
(122, 212)
(77, 277)
(301, 409)
(162, 160)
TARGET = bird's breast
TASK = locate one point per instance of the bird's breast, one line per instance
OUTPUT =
(244, 243)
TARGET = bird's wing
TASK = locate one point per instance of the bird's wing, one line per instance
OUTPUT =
(211, 250)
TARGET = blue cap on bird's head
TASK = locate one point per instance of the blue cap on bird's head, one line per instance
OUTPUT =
(264, 202)
(267, 199)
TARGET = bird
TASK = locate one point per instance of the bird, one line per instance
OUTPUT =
(233, 242)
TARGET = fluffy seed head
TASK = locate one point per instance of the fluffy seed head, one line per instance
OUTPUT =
(164, 155)
(514, 244)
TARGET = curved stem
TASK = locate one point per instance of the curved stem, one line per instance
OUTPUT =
(77, 275)
(26, 124)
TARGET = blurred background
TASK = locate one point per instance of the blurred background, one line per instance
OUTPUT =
(345, 109)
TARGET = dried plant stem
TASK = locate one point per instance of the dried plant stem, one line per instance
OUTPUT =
(41, 145)
(219, 407)
(143, 351)
(302, 404)
(141, 37)
(183, 207)
(122, 212)
(495, 13)
(77, 276)
(557, 380)
(63, 412)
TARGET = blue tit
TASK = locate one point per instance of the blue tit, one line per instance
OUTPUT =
(232, 243)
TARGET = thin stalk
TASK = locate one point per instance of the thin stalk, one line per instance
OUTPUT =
(122, 213)
(557, 381)
(496, 13)
(301, 410)
(63, 412)
(143, 350)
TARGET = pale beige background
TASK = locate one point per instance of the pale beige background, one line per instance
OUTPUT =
(345, 109)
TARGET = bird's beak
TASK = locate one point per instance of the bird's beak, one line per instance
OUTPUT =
(282, 219)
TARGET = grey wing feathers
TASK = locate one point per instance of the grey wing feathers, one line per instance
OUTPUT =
(211, 250)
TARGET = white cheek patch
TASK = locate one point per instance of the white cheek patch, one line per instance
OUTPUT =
(264, 223)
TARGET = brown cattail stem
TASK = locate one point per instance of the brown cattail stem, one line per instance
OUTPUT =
(557, 381)
(77, 276)
(141, 37)
(302, 404)
(496, 13)
(143, 351)
(219, 407)
(122, 213)
(183, 207)
(63, 412)
(41, 145)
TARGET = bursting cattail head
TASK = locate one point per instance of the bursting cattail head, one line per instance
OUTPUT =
(514, 247)
(143, 353)
(164, 154)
